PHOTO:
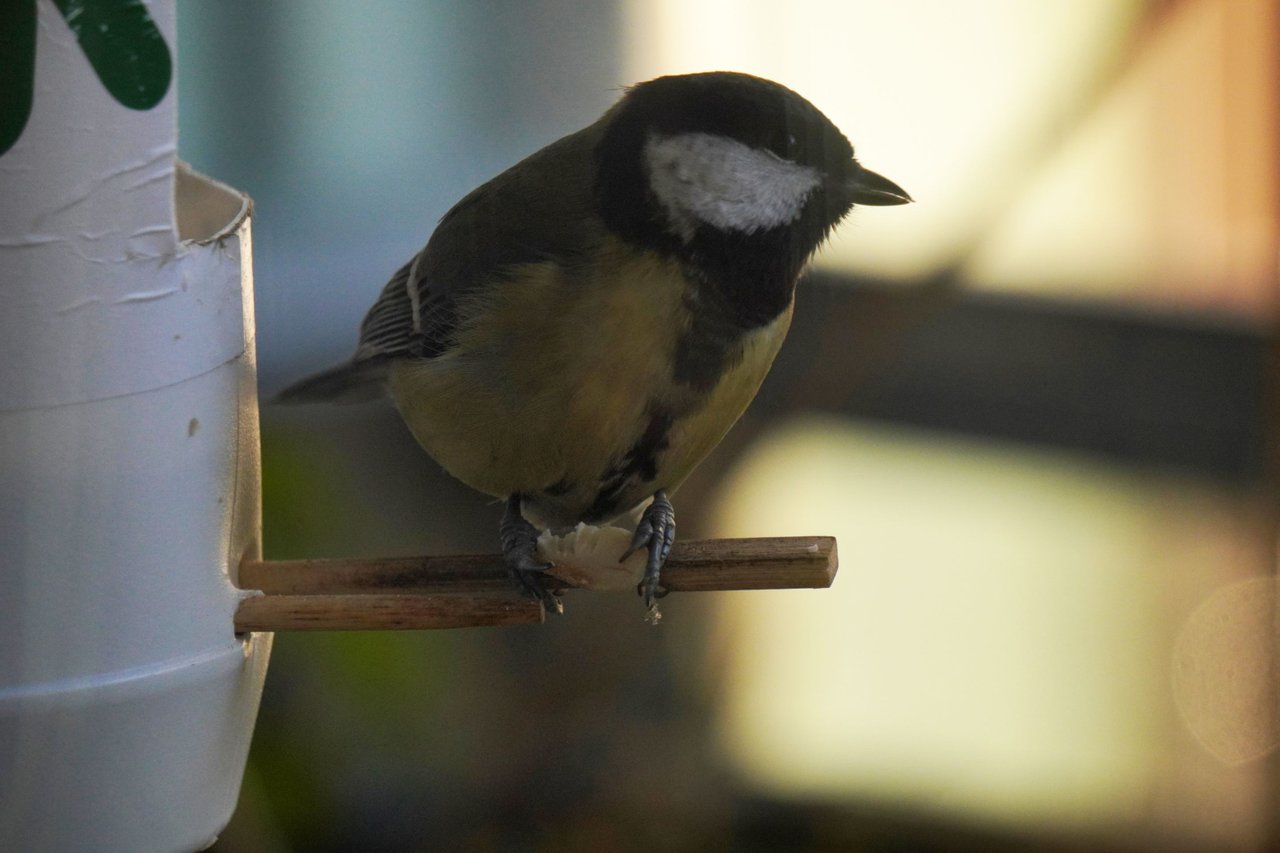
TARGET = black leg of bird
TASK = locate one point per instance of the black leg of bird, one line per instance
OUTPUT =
(656, 531)
(520, 551)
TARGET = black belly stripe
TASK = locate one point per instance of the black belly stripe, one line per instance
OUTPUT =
(558, 488)
(640, 463)
(712, 342)
(605, 504)
(703, 356)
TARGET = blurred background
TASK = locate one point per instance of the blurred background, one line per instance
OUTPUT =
(1036, 407)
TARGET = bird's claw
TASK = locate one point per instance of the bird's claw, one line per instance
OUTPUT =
(532, 582)
(656, 532)
(520, 553)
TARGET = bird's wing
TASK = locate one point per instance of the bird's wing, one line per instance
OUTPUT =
(388, 327)
(540, 210)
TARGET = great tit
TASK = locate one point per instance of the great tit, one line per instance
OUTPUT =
(581, 330)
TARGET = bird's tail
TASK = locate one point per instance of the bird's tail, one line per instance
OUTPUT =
(353, 382)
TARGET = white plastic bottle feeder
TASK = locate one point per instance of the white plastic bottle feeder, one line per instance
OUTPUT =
(128, 447)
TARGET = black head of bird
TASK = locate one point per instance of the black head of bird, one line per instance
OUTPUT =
(581, 330)
(737, 174)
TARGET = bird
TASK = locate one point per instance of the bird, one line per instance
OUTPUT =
(580, 331)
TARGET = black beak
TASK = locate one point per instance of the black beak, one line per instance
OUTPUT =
(869, 188)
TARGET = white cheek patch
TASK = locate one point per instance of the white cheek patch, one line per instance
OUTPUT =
(704, 178)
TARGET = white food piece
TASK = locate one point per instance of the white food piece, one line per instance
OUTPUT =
(587, 557)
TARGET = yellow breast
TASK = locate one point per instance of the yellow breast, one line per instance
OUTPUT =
(698, 432)
(554, 375)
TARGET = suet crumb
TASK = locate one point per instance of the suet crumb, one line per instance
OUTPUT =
(586, 557)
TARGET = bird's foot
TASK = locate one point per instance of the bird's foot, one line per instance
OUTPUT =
(520, 552)
(656, 531)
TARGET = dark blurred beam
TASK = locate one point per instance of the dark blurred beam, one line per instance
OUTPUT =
(1146, 388)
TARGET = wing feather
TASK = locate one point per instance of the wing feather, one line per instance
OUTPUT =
(542, 210)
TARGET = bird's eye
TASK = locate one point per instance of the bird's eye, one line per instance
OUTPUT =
(785, 144)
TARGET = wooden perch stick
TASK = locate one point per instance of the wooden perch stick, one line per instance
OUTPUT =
(380, 612)
(450, 591)
(710, 564)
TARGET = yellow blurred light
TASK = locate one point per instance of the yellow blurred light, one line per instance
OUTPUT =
(1081, 226)
(992, 643)
(942, 97)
